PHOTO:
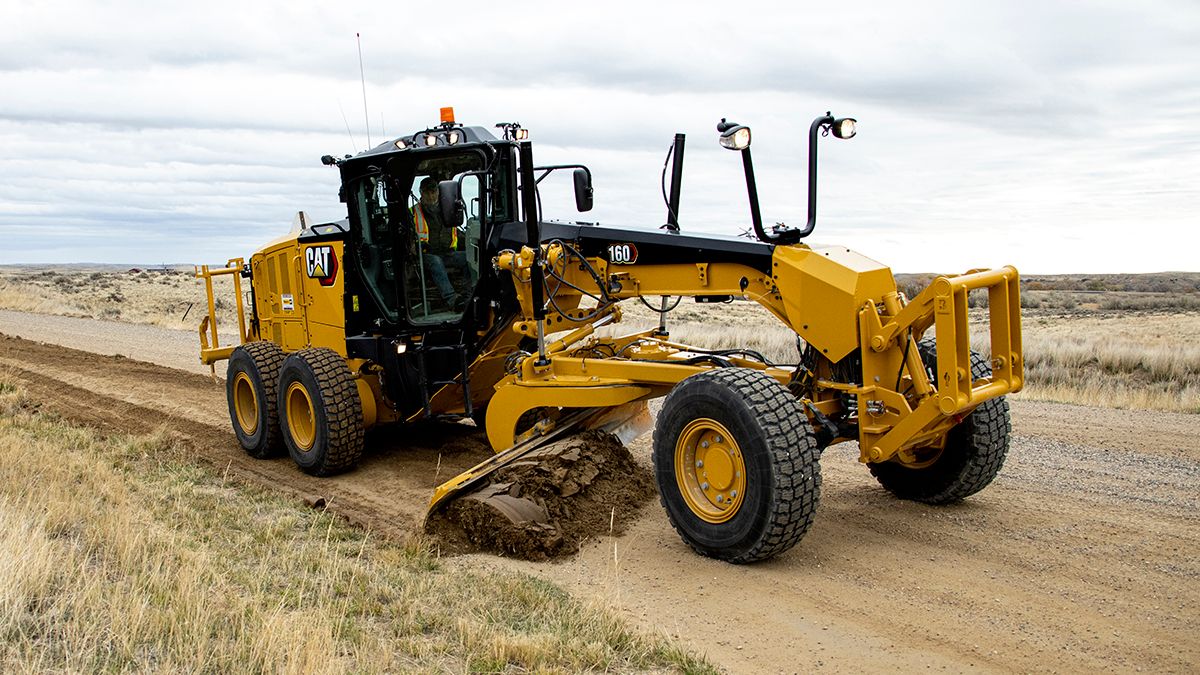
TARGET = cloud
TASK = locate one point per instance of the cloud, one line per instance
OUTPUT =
(1009, 132)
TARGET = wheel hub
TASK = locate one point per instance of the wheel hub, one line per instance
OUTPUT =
(710, 470)
(245, 403)
(302, 422)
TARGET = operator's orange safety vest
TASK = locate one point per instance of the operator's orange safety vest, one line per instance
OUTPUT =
(423, 228)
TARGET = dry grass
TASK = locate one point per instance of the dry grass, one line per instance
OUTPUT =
(118, 555)
(739, 324)
(1117, 359)
(1112, 360)
(168, 297)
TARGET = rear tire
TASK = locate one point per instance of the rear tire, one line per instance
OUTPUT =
(737, 465)
(250, 388)
(974, 452)
(320, 412)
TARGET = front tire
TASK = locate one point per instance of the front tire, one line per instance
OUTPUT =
(737, 465)
(250, 388)
(320, 412)
(973, 454)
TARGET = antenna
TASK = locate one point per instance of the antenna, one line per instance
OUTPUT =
(362, 75)
(353, 143)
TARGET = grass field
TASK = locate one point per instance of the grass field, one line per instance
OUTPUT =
(1115, 340)
(118, 554)
(1087, 355)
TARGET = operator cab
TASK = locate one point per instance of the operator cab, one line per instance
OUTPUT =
(419, 264)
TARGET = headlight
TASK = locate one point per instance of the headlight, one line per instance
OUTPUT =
(430, 140)
(736, 138)
(452, 137)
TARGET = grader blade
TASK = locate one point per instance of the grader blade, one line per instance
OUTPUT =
(626, 422)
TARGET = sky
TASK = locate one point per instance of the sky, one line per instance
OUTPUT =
(1060, 137)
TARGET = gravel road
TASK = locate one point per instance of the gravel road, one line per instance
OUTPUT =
(1081, 556)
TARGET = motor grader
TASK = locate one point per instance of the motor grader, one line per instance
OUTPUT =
(359, 323)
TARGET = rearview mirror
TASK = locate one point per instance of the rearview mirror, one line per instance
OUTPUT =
(450, 203)
(583, 190)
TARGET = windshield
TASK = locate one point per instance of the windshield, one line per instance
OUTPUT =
(414, 263)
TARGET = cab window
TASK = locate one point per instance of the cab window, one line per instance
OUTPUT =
(442, 262)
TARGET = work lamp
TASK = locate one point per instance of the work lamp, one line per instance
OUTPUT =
(734, 136)
(845, 127)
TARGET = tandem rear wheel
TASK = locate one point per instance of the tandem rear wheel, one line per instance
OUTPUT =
(251, 382)
(320, 412)
(737, 465)
(965, 462)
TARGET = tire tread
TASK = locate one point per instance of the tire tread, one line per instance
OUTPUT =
(343, 409)
(986, 445)
(796, 488)
(268, 359)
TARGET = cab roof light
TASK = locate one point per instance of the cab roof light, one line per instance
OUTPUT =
(513, 131)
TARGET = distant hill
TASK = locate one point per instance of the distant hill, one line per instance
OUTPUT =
(1156, 282)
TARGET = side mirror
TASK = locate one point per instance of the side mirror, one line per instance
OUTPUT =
(450, 203)
(583, 190)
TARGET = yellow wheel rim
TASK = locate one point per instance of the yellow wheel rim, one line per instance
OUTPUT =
(710, 470)
(302, 423)
(245, 403)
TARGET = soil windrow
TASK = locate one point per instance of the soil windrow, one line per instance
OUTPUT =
(550, 502)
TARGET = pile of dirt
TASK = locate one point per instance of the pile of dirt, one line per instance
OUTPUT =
(548, 503)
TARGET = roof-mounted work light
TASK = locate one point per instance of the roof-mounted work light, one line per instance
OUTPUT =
(737, 137)
(845, 127)
(733, 135)
(513, 131)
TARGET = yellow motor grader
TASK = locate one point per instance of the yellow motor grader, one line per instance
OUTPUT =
(443, 294)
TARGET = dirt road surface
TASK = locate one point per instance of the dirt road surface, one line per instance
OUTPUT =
(1083, 555)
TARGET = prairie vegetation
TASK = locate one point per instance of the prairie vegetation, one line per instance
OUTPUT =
(1120, 348)
(120, 555)
(1112, 360)
(167, 296)
(1110, 340)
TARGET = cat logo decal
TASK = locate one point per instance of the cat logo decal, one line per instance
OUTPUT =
(322, 264)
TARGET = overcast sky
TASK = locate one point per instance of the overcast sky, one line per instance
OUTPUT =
(1056, 136)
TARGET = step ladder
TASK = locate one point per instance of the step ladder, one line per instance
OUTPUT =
(429, 386)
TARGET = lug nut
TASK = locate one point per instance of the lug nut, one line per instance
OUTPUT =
(720, 499)
(704, 486)
(718, 439)
(733, 494)
(699, 464)
(704, 444)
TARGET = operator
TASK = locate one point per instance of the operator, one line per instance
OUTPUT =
(439, 243)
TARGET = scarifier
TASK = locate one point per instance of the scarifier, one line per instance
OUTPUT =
(369, 321)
